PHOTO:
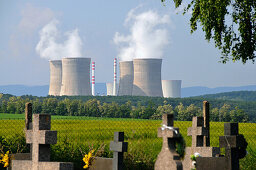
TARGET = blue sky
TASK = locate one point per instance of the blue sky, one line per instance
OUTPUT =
(188, 57)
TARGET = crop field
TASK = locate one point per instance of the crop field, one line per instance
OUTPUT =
(140, 134)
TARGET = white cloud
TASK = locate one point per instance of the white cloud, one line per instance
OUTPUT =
(49, 46)
(148, 35)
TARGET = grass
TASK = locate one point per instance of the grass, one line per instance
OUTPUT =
(141, 135)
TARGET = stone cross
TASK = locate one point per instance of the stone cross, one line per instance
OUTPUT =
(41, 137)
(235, 149)
(28, 116)
(118, 146)
(168, 158)
(197, 131)
(200, 138)
(235, 145)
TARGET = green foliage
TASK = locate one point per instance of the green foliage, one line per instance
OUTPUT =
(229, 23)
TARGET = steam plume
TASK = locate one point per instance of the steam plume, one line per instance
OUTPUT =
(49, 48)
(148, 36)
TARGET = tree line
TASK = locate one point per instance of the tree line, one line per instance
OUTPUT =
(95, 108)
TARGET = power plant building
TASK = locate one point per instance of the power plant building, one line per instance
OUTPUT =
(126, 78)
(109, 89)
(55, 77)
(76, 77)
(147, 77)
(171, 88)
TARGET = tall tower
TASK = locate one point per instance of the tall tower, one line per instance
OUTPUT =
(171, 88)
(76, 77)
(115, 83)
(126, 78)
(147, 77)
(93, 78)
(55, 77)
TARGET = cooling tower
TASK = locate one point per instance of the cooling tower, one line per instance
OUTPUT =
(109, 89)
(76, 77)
(126, 78)
(147, 77)
(171, 88)
(55, 77)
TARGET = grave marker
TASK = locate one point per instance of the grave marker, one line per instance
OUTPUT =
(41, 137)
(168, 158)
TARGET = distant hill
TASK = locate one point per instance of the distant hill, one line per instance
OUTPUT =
(100, 88)
(199, 90)
(235, 95)
(19, 90)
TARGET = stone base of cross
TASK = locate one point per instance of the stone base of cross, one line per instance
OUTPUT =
(40, 137)
(168, 158)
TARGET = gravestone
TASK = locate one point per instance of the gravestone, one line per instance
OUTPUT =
(235, 148)
(168, 158)
(118, 146)
(40, 136)
(200, 138)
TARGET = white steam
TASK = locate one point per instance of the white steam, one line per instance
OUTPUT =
(48, 47)
(148, 36)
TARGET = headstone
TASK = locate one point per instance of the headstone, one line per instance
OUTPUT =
(118, 146)
(168, 158)
(40, 136)
(200, 138)
(235, 148)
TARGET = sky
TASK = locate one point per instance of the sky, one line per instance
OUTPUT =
(104, 29)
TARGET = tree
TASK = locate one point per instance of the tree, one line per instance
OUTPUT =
(230, 23)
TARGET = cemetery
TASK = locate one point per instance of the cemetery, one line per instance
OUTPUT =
(200, 155)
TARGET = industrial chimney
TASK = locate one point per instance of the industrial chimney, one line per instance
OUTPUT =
(171, 88)
(147, 77)
(115, 83)
(76, 77)
(93, 78)
(55, 77)
(126, 78)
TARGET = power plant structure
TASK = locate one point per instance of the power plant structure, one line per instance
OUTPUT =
(171, 88)
(147, 77)
(126, 73)
(93, 78)
(55, 77)
(109, 89)
(115, 77)
(76, 77)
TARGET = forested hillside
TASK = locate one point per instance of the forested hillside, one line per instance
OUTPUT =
(130, 107)
(235, 95)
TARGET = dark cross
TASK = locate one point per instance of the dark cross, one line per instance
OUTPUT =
(28, 116)
(197, 131)
(206, 114)
(118, 146)
(235, 145)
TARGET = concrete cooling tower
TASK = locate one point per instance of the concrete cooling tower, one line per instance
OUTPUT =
(109, 89)
(55, 77)
(126, 78)
(171, 88)
(147, 77)
(76, 77)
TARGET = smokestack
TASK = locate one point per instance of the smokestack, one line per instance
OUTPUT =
(147, 77)
(76, 77)
(115, 83)
(109, 89)
(55, 77)
(93, 78)
(126, 78)
(171, 88)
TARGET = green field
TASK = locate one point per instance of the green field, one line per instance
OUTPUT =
(141, 135)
